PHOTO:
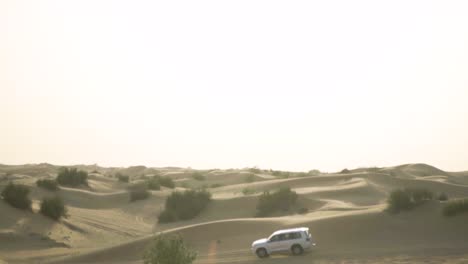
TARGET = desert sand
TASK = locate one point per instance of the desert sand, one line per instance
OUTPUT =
(346, 217)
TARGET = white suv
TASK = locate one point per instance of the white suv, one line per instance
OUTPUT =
(294, 240)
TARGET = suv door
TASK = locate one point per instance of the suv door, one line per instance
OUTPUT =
(297, 238)
(274, 243)
(285, 242)
(289, 240)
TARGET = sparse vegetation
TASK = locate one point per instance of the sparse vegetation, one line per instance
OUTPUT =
(47, 184)
(139, 194)
(399, 200)
(455, 207)
(442, 197)
(168, 249)
(345, 171)
(248, 191)
(122, 178)
(216, 185)
(420, 195)
(255, 170)
(153, 184)
(198, 176)
(281, 200)
(280, 174)
(167, 216)
(406, 199)
(313, 173)
(53, 208)
(184, 205)
(303, 210)
(250, 178)
(166, 182)
(17, 196)
(72, 177)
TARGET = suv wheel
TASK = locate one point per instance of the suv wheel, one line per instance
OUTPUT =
(297, 250)
(262, 253)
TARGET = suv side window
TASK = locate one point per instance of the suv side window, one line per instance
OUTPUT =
(274, 238)
(282, 237)
(295, 235)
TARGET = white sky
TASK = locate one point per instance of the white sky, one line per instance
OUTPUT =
(292, 85)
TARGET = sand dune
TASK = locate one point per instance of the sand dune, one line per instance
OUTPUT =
(339, 235)
(421, 170)
(389, 182)
(345, 216)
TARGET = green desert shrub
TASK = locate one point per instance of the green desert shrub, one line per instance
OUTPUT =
(153, 184)
(47, 184)
(281, 174)
(303, 210)
(406, 199)
(248, 191)
(313, 173)
(280, 200)
(455, 207)
(166, 182)
(276, 173)
(216, 185)
(17, 196)
(122, 178)
(184, 205)
(255, 170)
(250, 178)
(139, 194)
(345, 171)
(420, 195)
(399, 200)
(168, 249)
(167, 216)
(198, 176)
(442, 197)
(72, 177)
(53, 208)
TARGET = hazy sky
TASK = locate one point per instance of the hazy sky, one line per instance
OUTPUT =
(293, 85)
